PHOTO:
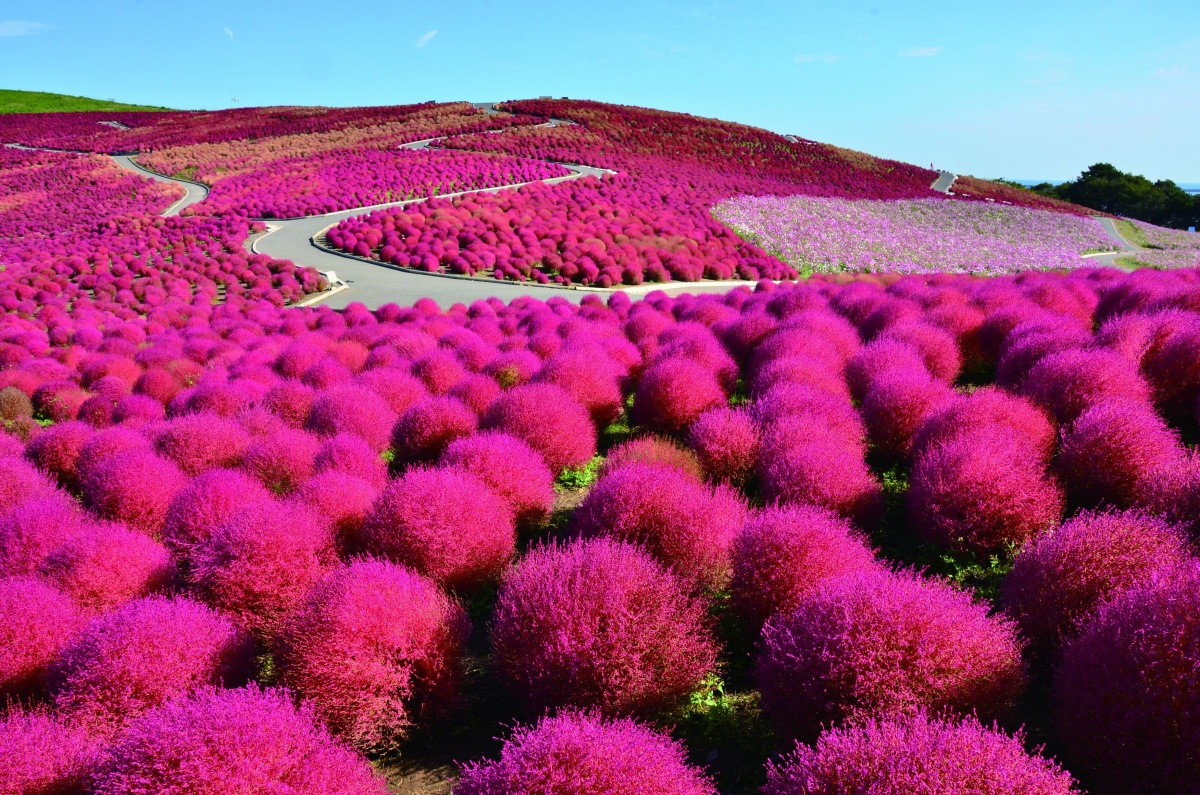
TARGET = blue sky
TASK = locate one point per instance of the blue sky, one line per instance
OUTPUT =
(1008, 88)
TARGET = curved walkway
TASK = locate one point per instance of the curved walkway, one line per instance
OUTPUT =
(944, 182)
(1110, 258)
(193, 191)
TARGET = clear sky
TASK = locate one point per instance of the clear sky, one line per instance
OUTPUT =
(998, 88)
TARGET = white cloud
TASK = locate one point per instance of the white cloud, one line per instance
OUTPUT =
(229, 33)
(805, 58)
(1175, 70)
(428, 37)
(10, 28)
(920, 52)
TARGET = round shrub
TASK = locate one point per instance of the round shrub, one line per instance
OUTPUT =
(788, 400)
(1113, 452)
(198, 442)
(582, 754)
(725, 441)
(439, 371)
(445, 523)
(938, 349)
(291, 401)
(36, 621)
(1126, 694)
(599, 624)
(42, 755)
(206, 502)
(104, 444)
(879, 643)
(897, 404)
(20, 482)
(233, 741)
(982, 491)
(56, 450)
(257, 565)
(32, 530)
(107, 565)
(1060, 577)
(1070, 382)
(653, 450)
(687, 525)
(143, 654)
(988, 407)
(282, 461)
(510, 468)
(916, 754)
(351, 455)
(352, 409)
(549, 420)
(343, 502)
(876, 358)
(673, 394)
(588, 376)
(476, 392)
(120, 489)
(783, 553)
(375, 648)
(424, 431)
(13, 404)
(399, 389)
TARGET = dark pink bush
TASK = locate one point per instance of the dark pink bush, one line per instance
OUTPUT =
(599, 624)
(589, 377)
(42, 755)
(725, 441)
(880, 356)
(225, 741)
(374, 648)
(106, 565)
(56, 450)
(289, 400)
(425, 430)
(143, 654)
(105, 443)
(549, 420)
(351, 455)
(986, 407)
(199, 442)
(352, 409)
(938, 349)
(476, 391)
(206, 502)
(118, 489)
(36, 621)
(653, 450)
(1126, 693)
(445, 523)
(283, 460)
(510, 468)
(782, 554)
(899, 402)
(916, 754)
(1069, 383)
(673, 394)
(342, 501)
(878, 643)
(576, 753)
(33, 529)
(787, 400)
(19, 481)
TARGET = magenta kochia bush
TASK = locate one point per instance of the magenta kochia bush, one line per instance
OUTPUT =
(1060, 577)
(19, 481)
(283, 460)
(981, 491)
(510, 468)
(989, 406)
(36, 621)
(143, 654)
(104, 566)
(374, 647)
(1126, 694)
(576, 753)
(56, 450)
(445, 523)
(673, 394)
(600, 624)
(351, 455)
(549, 420)
(233, 741)
(206, 502)
(689, 526)
(424, 431)
(725, 441)
(879, 643)
(43, 755)
(916, 754)
(783, 553)
(198, 442)
(32, 530)
(1068, 383)
(897, 403)
(135, 487)
(352, 409)
(656, 451)
(589, 378)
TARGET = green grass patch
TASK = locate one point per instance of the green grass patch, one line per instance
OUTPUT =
(42, 102)
(1130, 231)
(575, 478)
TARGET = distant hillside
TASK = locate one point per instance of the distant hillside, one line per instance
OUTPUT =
(42, 102)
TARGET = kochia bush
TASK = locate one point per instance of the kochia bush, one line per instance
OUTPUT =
(36, 621)
(104, 566)
(673, 394)
(510, 467)
(43, 755)
(549, 420)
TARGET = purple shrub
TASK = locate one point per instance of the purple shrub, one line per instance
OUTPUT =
(143, 654)
(283, 461)
(1126, 694)
(103, 444)
(476, 391)
(374, 648)
(805, 371)
(233, 741)
(881, 643)
(725, 441)
(1027, 346)
(33, 529)
(136, 410)
(36, 621)
(673, 394)
(989, 407)
(510, 468)
(786, 400)
(397, 387)
(938, 349)
(42, 755)
(352, 409)
(199, 442)
(916, 754)
(599, 624)
(1173, 369)
(1069, 383)
(424, 431)
(782, 554)
(107, 565)
(686, 525)
(549, 420)
(581, 754)
(206, 502)
(56, 450)
(439, 371)
(119, 489)
(291, 401)
(897, 404)
(351, 455)
(445, 523)
(656, 451)
(19, 482)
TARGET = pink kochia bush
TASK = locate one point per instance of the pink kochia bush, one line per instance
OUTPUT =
(916, 754)
(446, 524)
(673, 394)
(42, 755)
(1126, 694)
(424, 431)
(576, 753)
(897, 403)
(510, 468)
(599, 624)
(989, 406)
(144, 654)
(20, 482)
(549, 420)
(653, 451)
(36, 621)
(205, 503)
(374, 648)
(687, 525)
(107, 565)
(233, 741)
(134, 487)
(32, 530)
(725, 441)
(878, 643)
(1067, 383)
(1060, 577)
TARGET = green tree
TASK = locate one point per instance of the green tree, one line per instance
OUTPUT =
(1106, 188)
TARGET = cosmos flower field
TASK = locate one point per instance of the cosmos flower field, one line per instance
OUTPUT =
(837, 533)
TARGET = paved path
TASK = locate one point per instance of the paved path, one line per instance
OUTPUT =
(194, 191)
(944, 182)
(1110, 258)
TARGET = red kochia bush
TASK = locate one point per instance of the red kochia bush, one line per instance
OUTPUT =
(1059, 578)
(653, 451)
(879, 643)
(938, 349)
(989, 406)
(725, 441)
(36, 620)
(104, 444)
(56, 450)
(352, 409)
(375, 648)
(549, 420)
(1070, 382)
(508, 467)
(687, 525)
(589, 377)
(19, 482)
(219, 742)
(33, 529)
(916, 754)
(258, 564)
(424, 431)
(897, 404)
(42, 755)
(787, 400)
(106, 565)
(1126, 694)
(134, 487)
(198, 442)
(351, 455)
(581, 754)
(673, 394)
(599, 624)
(877, 358)
(784, 553)
(206, 502)
(282, 460)
(143, 654)
(981, 491)
(445, 523)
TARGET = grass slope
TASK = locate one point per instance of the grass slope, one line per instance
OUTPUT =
(42, 102)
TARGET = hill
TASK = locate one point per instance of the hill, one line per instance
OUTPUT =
(43, 102)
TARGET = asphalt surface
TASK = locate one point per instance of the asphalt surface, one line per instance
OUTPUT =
(1111, 257)
(195, 191)
(944, 182)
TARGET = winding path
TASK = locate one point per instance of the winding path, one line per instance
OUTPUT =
(1110, 257)
(193, 191)
(944, 182)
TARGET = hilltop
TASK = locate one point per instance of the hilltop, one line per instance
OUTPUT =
(12, 101)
